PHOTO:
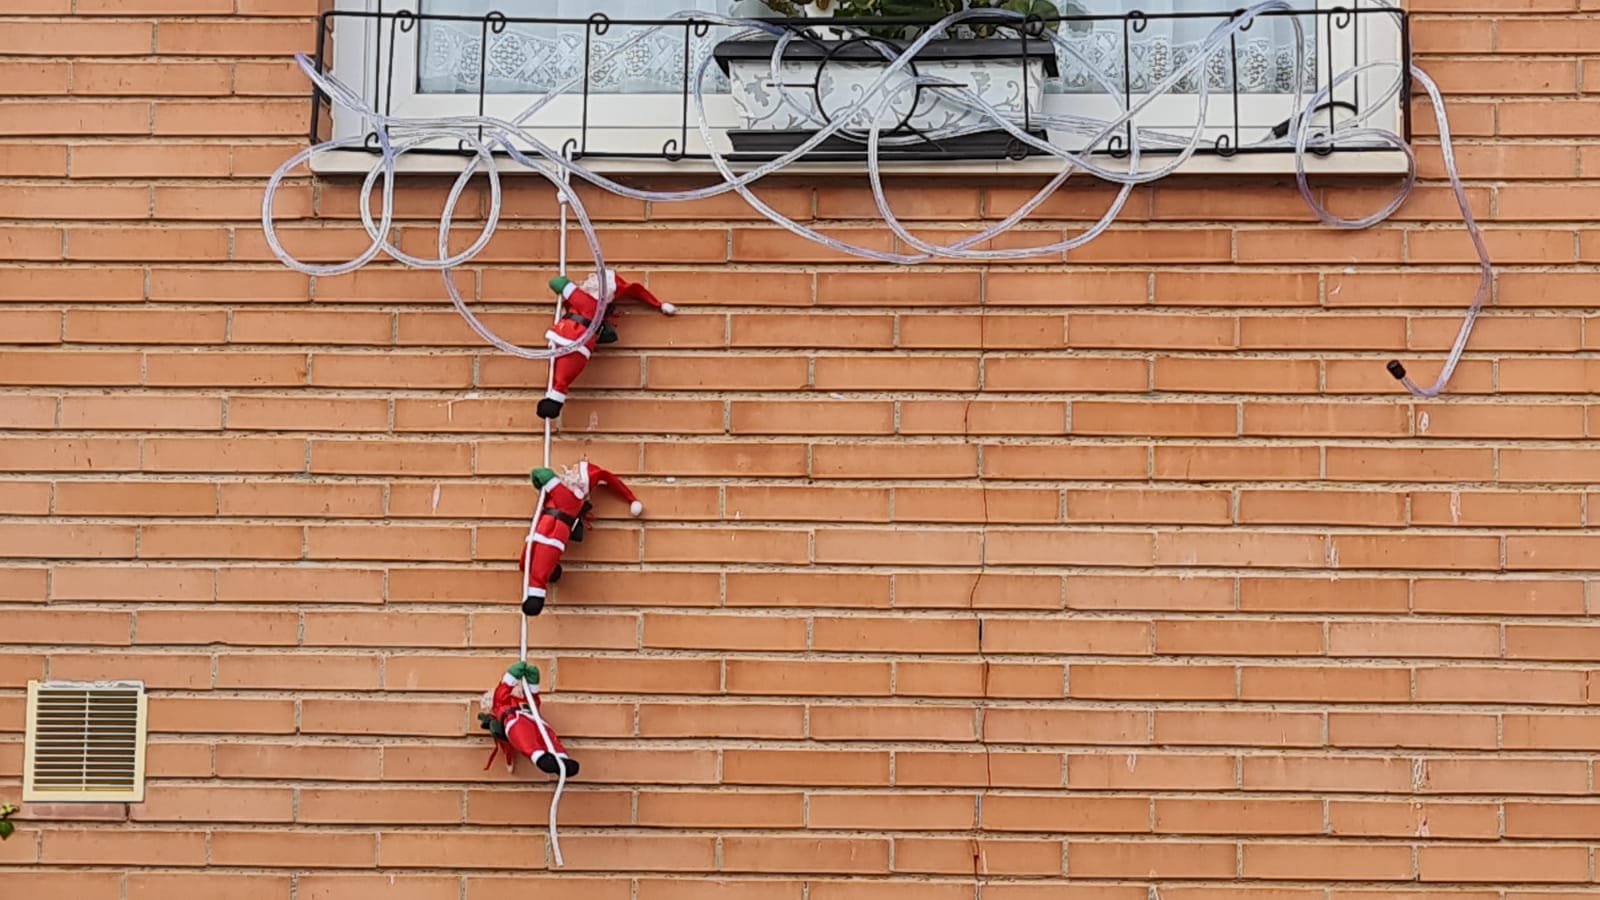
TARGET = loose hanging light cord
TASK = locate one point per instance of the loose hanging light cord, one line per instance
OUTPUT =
(510, 138)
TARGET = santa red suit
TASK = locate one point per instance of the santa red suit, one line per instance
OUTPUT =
(561, 519)
(517, 727)
(582, 305)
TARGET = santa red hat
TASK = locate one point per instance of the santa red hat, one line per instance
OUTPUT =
(622, 289)
(590, 475)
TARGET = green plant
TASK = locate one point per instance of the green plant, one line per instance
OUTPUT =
(914, 9)
(6, 826)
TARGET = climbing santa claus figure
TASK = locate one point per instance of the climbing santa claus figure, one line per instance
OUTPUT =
(582, 308)
(511, 716)
(561, 519)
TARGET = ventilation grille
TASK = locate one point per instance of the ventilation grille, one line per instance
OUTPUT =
(85, 742)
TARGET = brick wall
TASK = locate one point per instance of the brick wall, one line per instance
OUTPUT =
(1146, 551)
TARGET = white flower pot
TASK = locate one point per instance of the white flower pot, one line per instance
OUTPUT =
(823, 78)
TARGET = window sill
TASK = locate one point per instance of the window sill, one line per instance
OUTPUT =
(1370, 162)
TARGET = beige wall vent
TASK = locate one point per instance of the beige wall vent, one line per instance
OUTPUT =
(85, 742)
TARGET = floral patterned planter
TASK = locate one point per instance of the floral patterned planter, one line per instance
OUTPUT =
(823, 78)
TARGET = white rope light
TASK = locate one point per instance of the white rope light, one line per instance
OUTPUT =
(502, 135)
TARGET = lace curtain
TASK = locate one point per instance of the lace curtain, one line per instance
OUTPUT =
(532, 59)
(1264, 55)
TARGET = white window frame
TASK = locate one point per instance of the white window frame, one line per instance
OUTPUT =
(652, 123)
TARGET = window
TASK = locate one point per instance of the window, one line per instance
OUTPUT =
(450, 57)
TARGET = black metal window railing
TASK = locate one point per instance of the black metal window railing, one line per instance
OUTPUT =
(632, 91)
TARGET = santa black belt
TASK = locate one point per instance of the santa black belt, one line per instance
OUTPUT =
(562, 517)
(581, 320)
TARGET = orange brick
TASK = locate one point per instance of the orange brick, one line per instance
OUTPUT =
(921, 289)
(807, 678)
(292, 849)
(143, 244)
(29, 159)
(1101, 374)
(127, 326)
(804, 855)
(1352, 774)
(80, 201)
(168, 159)
(1381, 818)
(1103, 681)
(167, 412)
(1185, 245)
(85, 368)
(400, 886)
(1242, 288)
(1224, 816)
(1237, 638)
(1468, 775)
(195, 541)
(1408, 464)
(1115, 859)
(842, 373)
(86, 627)
(29, 412)
(1088, 463)
(86, 38)
(1233, 728)
(233, 285)
(67, 541)
(1322, 333)
(1502, 863)
(991, 332)
(25, 498)
(362, 717)
(1455, 640)
(1164, 419)
(310, 671)
(131, 583)
(800, 330)
(732, 720)
(1166, 331)
(183, 803)
(303, 761)
(1501, 596)
(33, 326)
(1208, 463)
(1369, 684)
(1423, 731)
(1205, 375)
(244, 38)
(1370, 862)
(81, 885)
(30, 243)
(804, 589)
(1145, 592)
(988, 857)
(892, 723)
(34, 78)
(401, 458)
(1277, 245)
(1088, 288)
(742, 374)
(1492, 685)
(102, 284)
(681, 632)
(1264, 550)
(1470, 508)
